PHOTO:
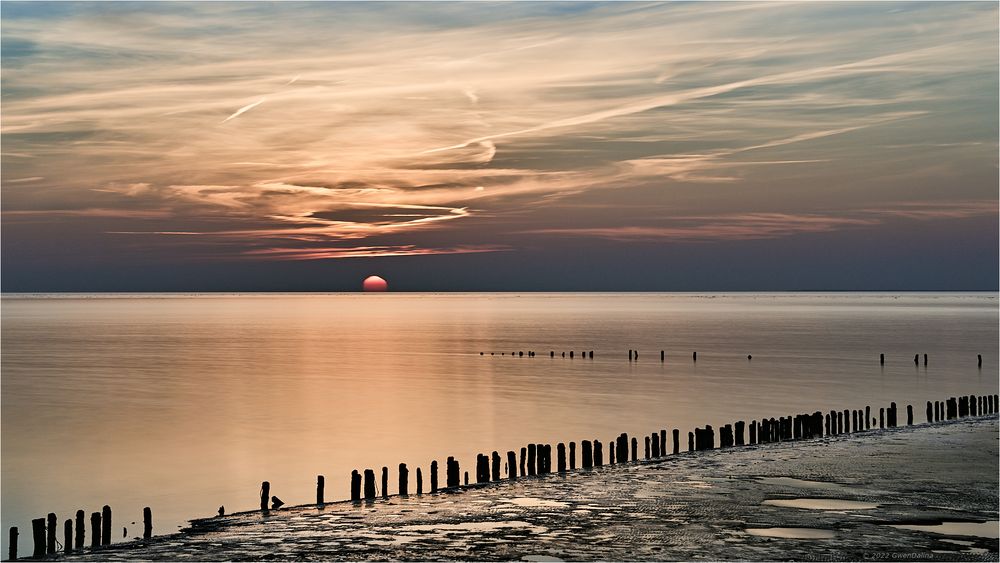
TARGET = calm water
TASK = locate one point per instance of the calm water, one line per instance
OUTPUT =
(184, 403)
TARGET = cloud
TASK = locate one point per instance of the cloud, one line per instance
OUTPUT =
(246, 108)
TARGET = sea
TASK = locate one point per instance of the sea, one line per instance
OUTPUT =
(186, 403)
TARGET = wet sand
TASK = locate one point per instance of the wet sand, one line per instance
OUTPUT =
(879, 495)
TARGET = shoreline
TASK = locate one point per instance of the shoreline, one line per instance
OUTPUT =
(411, 527)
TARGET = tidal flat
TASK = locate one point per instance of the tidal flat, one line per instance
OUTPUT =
(924, 492)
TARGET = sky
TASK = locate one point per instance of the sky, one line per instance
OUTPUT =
(687, 146)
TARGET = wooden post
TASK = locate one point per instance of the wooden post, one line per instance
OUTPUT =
(147, 523)
(909, 415)
(612, 454)
(572, 456)
(881, 417)
(690, 441)
(524, 470)
(655, 440)
(385, 482)
(12, 544)
(753, 431)
(95, 529)
(561, 457)
(482, 469)
(369, 485)
(50, 533)
(868, 417)
(531, 460)
(454, 472)
(694, 356)
(925, 360)
(647, 447)
(106, 525)
(916, 359)
(588, 455)
(892, 415)
(404, 480)
(511, 465)
(930, 412)
(980, 360)
(635, 449)
(630, 354)
(598, 454)
(420, 482)
(80, 526)
(622, 448)
(265, 495)
(496, 465)
(320, 484)
(840, 422)
(881, 359)
(740, 425)
(434, 477)
(38, 534)
(663, 355)
(355, 486)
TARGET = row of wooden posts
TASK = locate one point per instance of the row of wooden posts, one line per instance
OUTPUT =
(536, 459)
(44, 531)
(633, 356)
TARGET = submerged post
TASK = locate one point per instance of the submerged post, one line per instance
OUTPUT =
(147, 523)
(320, 485)
(106, 525)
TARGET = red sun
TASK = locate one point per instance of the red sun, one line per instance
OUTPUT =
(375, 283)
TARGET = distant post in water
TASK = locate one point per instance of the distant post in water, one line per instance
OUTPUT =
(420, 482)
(355, 486)
(881, 359)
(588, 456)
(663, 355)
(434, 477)
(690, 441)
(655, 440)
(369, 485)
(881, 417)
(572, 456)
(265, 495)
(320, 485)
(694, 356)
(635, 449)
(647, 447)
(531, 459)
(909, 415)
(598, 454)
(561, 457)
(147, 523)
(495, 457)
(930, 412)
(511, 465)
(106, 525)
(80, 527)
(385, 482)
(980, 360)
(404, 480)
(38, 535)
(677, 440)
(12, 544)
(50, 536)
(95, 529)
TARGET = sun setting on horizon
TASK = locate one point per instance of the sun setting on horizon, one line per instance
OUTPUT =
(374, 284)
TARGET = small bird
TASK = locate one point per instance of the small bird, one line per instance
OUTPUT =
(276, 503)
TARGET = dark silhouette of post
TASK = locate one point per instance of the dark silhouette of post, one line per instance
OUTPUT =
(647, 448)
(663, 355)
(511, 465)
(80, 527)
(420, 482)
(740, 425)
(690, 441)
(881, 417)
(561, 457)
(38, 535)
(925, 360)
(404, 480)
(930, 412)
(868, 417)
(50, 533)
(496, 465)
(385, 482)
(635, 449)
(588, 455)
(434, 477)
(355, 486)
(909, 415)
(979, 358)
(694, 356)
(453, 472)
(95, 529)
(106, 525)
(12, 544)
(524, 467)
(892, 415)
(663, 442)
(572, 456)
(369, 485)
(677, 440)
(482, 469)
(147, 523)
(881, 359)
(531, 459)
(916, 359)
(598, 454)
(612, 454)
(320, 485)
(265, 495)
(655, 440)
